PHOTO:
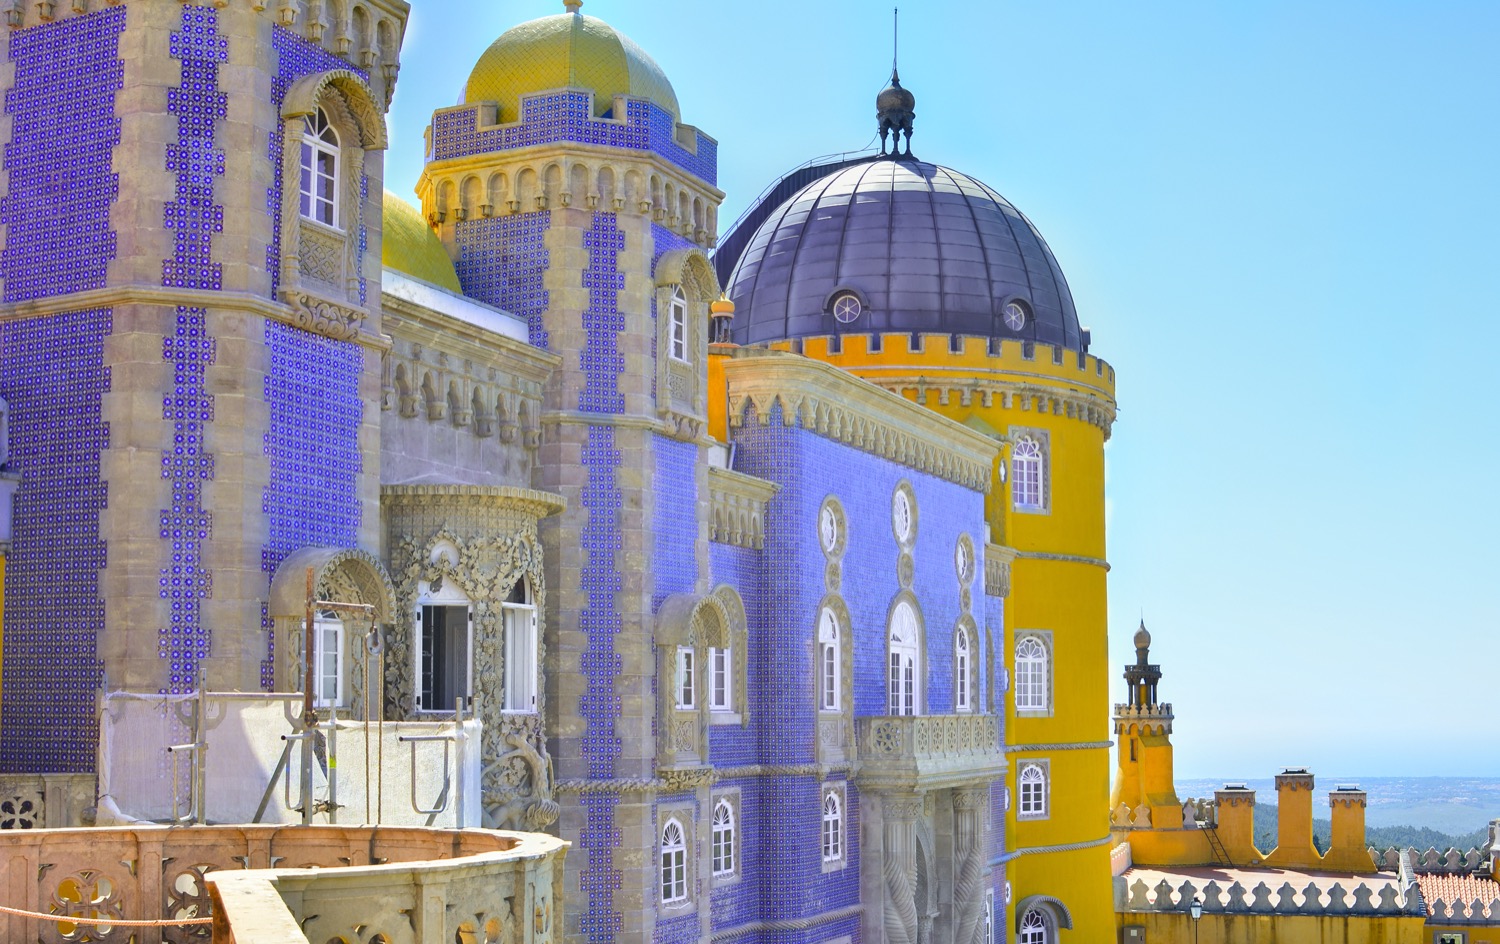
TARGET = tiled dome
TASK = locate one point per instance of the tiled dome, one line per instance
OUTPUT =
(923, 248)
(410, 246)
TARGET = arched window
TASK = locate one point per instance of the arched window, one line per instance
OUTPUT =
(320, 170)
(962, 697)
(1031, 675)
(833, 827)
(673, 863)
(520, 649)
(1033, 783)
(1026, 473)
(723, 838)
(678, 339)
(828, 661)
(905, 677)
(1035, 928)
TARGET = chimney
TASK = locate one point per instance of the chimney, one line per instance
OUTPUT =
(1236, 823)
(1294, 844)
(1348, 852)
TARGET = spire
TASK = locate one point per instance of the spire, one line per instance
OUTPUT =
(895, 107)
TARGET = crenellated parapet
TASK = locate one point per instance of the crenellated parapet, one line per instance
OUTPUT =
(1384, 898)
(1147, 719)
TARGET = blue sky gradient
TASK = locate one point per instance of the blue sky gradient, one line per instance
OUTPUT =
(1281, 221)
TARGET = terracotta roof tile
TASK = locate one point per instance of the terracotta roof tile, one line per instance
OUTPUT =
(1462, 888)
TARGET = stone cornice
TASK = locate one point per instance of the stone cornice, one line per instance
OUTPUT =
(997, 561)
(468, 340)
(713, 775)
(117, 296)
(836, 404)
(1057, 746)
(526, 500)
(622, 421)
(1063, 558)
(739, 507)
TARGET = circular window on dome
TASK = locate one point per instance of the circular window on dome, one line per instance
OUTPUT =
(847, 307)
(1014, 316)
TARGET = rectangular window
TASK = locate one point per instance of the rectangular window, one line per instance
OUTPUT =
(830, 677)
(686, 690)
(520, 657)
(318, 180)
(328, 662)
(443, 668)
(720, 683)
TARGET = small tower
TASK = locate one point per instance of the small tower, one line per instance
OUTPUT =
(1143, 728)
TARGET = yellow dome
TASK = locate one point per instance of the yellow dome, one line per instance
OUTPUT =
(410, 246)
(569, 50)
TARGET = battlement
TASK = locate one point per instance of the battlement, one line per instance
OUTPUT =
(1161, 711)
(969, 354)
(1388, 897)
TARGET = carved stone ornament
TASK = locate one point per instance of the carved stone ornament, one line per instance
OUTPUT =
(321, 316)
(676, 780)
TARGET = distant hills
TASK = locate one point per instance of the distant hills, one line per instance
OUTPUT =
(1436, 812)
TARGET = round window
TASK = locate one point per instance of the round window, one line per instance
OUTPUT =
(828, 527)
(901, 515)
(846, 307)
(1014, 316)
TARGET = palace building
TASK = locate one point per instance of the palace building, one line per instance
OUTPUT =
(766, 567)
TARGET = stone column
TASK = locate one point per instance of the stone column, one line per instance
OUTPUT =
(968, 847)
(899, 869)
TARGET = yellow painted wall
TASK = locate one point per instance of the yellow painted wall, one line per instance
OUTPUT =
(1177, 928)
(1057, 582)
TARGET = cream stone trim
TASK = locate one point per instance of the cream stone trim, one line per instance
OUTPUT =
(1044, 850)
(835, 404)
(526, 500)
(117, 296)
(1095, 408)
(708, 777)
(788, 924)
(1063, 558)
(997, 561)
(621, 421)
(1064, 746)
(738, 511)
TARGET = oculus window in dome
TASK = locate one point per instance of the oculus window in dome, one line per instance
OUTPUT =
(569, 50)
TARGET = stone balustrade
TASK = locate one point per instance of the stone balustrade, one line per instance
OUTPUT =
(284, 883)
(929, 751)
(1459, 912)
(1385, 898)
(1451, 862)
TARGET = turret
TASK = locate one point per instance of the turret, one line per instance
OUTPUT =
(1143, 728)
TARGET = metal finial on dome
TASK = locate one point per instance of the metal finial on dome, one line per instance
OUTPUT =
(1142, 637)
(572, 5)
(895, 107)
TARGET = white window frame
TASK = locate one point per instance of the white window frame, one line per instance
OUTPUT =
(830, 662)
(833, 834)
(720, 679)
(904, 662)
(521, 675)
(328, 628)
(1028, 473)
(684, 680)
(677, 326)
(963, 682)
(724, 840)
(1032, 786)
(1035, 927)
(1033, 678)
(447, 597)
(319, 190)
(673, 862)
(989, 916)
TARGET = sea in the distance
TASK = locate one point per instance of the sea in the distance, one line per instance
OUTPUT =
(1453, 805)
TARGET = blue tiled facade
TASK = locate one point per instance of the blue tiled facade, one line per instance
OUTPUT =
(567, 116)
(59, 157)
(52, 373)
(193, 217)
(674, 565)
(600, 359)
(501, 261)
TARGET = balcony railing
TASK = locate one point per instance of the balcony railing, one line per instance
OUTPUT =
(929, 751)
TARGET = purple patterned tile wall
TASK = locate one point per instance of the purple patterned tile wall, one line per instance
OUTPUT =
(312, 442)
(193, 217)
(501, 261)
(568, 116)
(187, 525)
(740, 567)
(795, 886)
(738, 901)
(674, 522)
(601, 921)
(600, 358)
(52, 372)
(59, 159)
(296, 57)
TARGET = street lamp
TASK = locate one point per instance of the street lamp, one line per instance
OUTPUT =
(1195, 908)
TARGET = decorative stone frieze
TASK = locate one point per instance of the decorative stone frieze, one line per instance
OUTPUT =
(480, 540)
(928, 752)
(321, 316)
(739, 502)
(997, 561)
(828, 401)
(45, 801)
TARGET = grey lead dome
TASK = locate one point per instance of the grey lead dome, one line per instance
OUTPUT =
(925, 248)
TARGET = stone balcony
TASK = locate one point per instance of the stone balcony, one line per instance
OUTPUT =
(397, 885)
(929, 752)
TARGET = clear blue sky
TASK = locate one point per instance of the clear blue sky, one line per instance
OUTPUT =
(1281, 221)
